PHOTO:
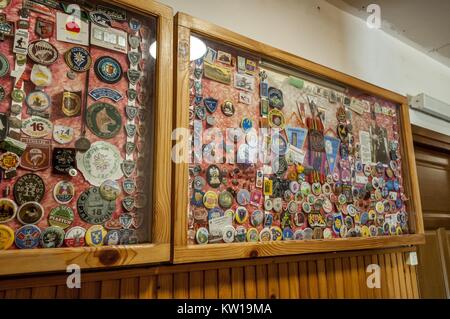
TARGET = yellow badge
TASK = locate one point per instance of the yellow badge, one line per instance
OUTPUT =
(6, 237)
(95, 235)
(276, 119)
(210, 199)
(365, 231)
(268, 186)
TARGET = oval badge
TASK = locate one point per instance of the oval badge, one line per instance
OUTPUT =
(37, 126)
(42, 52)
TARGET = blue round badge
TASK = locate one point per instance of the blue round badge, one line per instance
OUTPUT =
(28, 237)
(288, 234)
(108, 70)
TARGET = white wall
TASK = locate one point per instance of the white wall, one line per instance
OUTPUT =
(332, 38)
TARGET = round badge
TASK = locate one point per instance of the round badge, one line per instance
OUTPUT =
(228, 234)
(202, 236)
(225, 199)
(93, 209)
(288, 234)
(63, 192)
(241, 215)
(327, 233)
(243, 197)
(61, 216)
(4, 65)
(298, 234)
(38, 101)
(42, 52)
(30, 213)
(277, 204)
(265, 235)
(52, 237)
(95, 236)
(246, 124)
(110, 189)
(75, 237)
(29, 188)
(112, 238)
(6, 237)
(78, 59)
(252, 235)
(268, 204)
(17, 95)
(257, 218)
(214, 176)
(214, 213)
(210, 199)
(27, 237)
(104, 120)
(9, 160)
(228, 108)
(277, 233)
(241, 233)
(307, 233)
(306, 207)
(108, 70)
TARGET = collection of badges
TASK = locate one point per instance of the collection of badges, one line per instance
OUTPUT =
(49, 49)
(329, 164)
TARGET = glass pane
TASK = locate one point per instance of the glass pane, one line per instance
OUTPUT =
(279, 154)
(77, 118)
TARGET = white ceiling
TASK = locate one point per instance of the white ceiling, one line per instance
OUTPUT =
(423, 24)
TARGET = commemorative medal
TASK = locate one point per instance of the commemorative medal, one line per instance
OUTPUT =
(75, 237)
(37, 154)
(63, 134)
(93, 208)
(6, 237)
(52, 237)
(95, 235)
(42, 52)
(27, 237)
(36, 126)
(30, 213)
(108, 70)
(110, 189)
(64, 192)
(104, 120)
(101, 162)
(29, 188)
(61, 216)
(63, 160)
(44, 28)
(4, 65)
(111, 94)
(71, 103)
(228, 108)
(78, 59)
(38, 101)
(8, 210)
(41, 76)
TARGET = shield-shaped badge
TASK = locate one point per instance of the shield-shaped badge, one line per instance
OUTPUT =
(211, 104)
(134, 41)
(134, 57)
(128, 203)
(37, 154)
(96, 237)
(130, 148)
(138, 220)
(131, 130)
(126, 220)
(128, 167)
(131, 112)
(133, 76)
(129, 186)
(44, 28)
(132, 94)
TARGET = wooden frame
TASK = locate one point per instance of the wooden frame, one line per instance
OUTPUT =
(47, 260)
(184, 253)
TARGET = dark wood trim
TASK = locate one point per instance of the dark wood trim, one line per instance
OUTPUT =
(430, 139)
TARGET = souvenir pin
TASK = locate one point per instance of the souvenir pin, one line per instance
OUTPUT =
(211, 104)
(128, 203)
(240, 234)
(95, 236)
(228, 234)
(6, 237)
(134, 57)
(71, 103)
(246, 124)
(210, 200)
(93, 208)
(64, 192)
(6, 27)
(276, 98)
(276, 119)
(17, 95)
(78, 59)
(103, 120)
(214, 176)
(134, 41)
(202, 236)
(131, 112)
(225, 199)
(61, 216)
(112, 238)
(108, 70)
(130, 129)
(265, 235)
(37, 155)
(241, 215)
(75, 237)
(4, 65)
(42, 52)
(257, 218)
(110, 189)
(228, 108)
(250, 67)
(133, 76)
(135, 24)
(38, 100)
(129, 186)
(132, 94)
(8, 210)
(128, 167)
(252, 235)
(41, 76)
(27, 237)
(44, 28)
(9, 161)
(126, 220)
(100, 18)
(130, 147)
(63, 160)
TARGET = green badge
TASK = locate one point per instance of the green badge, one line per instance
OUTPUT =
(61, 216)
(103, 120)
(18, 95)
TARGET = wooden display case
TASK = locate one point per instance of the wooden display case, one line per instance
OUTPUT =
(185, 249)
(155, 248)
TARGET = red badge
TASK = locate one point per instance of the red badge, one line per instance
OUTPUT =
(37, 154)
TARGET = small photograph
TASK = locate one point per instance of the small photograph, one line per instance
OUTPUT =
(224, 57)
(250, 67)
(210, 56)
(244, 82)
(245, 98)
(380, 151)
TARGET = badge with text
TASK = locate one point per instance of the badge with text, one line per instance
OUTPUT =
(72, 29)
(64, 159)
(37, 154)
(36, 126)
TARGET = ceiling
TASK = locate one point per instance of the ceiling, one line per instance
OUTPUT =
(422, 24)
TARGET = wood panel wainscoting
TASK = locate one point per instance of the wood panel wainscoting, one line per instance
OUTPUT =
(332, 275)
